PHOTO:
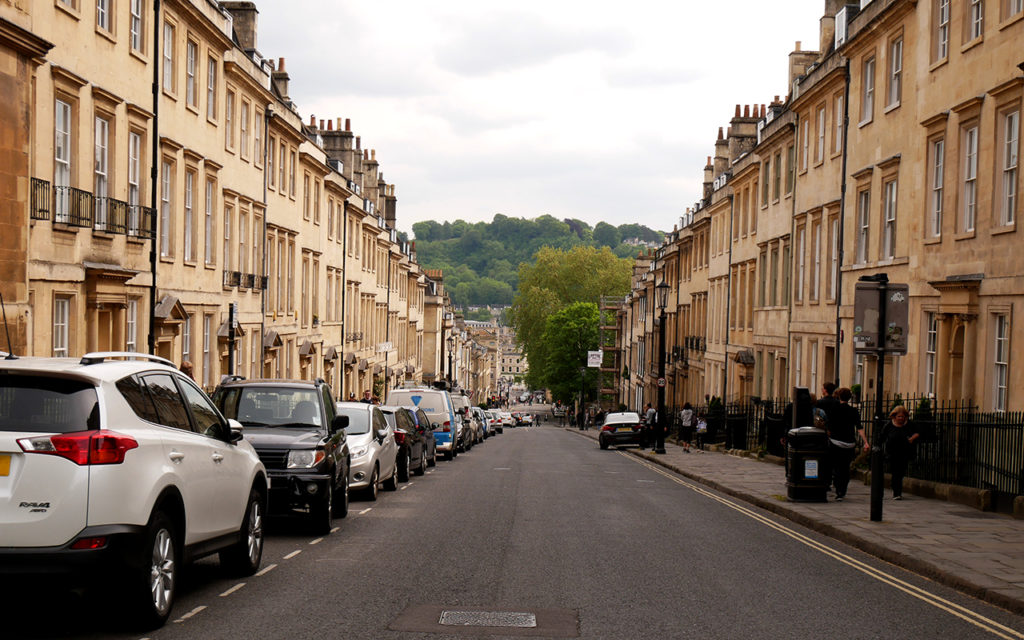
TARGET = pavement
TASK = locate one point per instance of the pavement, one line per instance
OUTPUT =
(980, 553)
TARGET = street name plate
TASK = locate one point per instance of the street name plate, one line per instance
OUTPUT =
(488, 619)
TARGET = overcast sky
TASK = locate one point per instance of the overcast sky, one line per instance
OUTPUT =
(588, 109)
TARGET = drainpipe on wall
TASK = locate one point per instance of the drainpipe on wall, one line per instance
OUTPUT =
(344, 294)
(842, 218)
(728, 307)
(151, 340)
(268, 113)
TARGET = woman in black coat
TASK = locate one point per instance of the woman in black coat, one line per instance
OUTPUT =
(898, 439)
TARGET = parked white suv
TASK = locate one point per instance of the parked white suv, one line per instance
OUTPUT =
(118, 465)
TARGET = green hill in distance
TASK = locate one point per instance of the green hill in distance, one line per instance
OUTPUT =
(481, 260)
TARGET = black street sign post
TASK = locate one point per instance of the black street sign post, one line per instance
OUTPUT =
(880, 319)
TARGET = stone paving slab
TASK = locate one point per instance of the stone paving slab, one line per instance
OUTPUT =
(979, 553)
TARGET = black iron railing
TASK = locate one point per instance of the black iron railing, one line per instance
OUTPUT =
(247, 280)
(111, 215)
(73, 206)
(40, 203)
(232, 278)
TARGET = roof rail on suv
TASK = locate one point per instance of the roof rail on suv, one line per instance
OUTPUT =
(100, 356)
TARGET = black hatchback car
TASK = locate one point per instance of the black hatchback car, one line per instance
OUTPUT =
(621, 428)
(294, 427)
(415, 439)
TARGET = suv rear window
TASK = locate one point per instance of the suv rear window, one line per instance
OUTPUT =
(44, 404)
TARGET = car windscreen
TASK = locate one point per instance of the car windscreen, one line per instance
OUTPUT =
(358, 420)
(46, 404)
(271, 406)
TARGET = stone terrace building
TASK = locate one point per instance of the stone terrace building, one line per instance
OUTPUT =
(160, 181)
(896, 151)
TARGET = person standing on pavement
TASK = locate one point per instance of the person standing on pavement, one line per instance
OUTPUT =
(686, 426)
(897, 438)
(367, 397)
(650, 420)
(842, 427)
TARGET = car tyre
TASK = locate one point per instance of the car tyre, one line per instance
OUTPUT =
(243, 558)
(391, 484)
(404, 463)
(420, 470)
(153, 581)
(341, 499)
(603, 442)
(322, 513)
(432, 462)
(371, 491)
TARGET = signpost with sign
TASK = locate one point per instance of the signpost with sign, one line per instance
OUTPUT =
(594, 359)
(880, 327)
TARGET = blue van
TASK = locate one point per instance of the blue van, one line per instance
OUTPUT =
(437, 404)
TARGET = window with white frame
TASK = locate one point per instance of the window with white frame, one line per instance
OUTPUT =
(186, 338)
(863, 224)
(937, 180)
(208, 218)
(970, 190)
(976, 19)
(243, 252)
(211, 88)
(207, 359)
(282, 173)
(135, 25)
(833, 258)
(229, 213)
(889, 226)
(257, 141)
(816, 270)
(166, 170)
(61, 321)
(191, 55)
(134, 173)
(895, 71)
(801, 250)
(942, 29)
(819, 152)
(103, 14)
(271, 152)
(291, 174)
(814, 365)
(806, 145)
(858, 369)
(189, 221)
(131, 326)
(62, 161)
(931, 351)
(1010, 161)
(257, 235)
(798, 361)
(1016, 6)
(1001, 361)
(867, 106)
(229, 119)
(243, 130)
(168, 70)
(838, 116)
(101, 178)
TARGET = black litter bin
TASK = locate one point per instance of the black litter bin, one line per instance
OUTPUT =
(807, 472)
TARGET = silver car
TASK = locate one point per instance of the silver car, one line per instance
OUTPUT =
(371, 443)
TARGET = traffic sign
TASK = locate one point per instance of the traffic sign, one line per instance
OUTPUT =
(661, 382)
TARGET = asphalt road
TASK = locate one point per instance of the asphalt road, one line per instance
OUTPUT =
(540, 522)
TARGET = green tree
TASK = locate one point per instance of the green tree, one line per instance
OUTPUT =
(605, 235)
(568, 335)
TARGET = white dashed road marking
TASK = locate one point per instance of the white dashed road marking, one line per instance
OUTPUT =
(365, 511)
(232, 590)
(266, 570)
(191, 613)
(317, 541)
(293, 554)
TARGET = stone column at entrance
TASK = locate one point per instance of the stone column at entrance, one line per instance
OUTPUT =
(942, 351)
(970, 350)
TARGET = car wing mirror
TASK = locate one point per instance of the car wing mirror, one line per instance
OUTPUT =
(339, 423)
(235, 430)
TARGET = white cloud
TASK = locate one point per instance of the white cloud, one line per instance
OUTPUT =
(586, 109)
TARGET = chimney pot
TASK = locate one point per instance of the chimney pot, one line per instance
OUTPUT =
(330, 125)
(373, 154)
(348, 124)
(776, 99)
(746, 110)
(737, 111)
(358, 143)
(798, 45)
(312, 120)
(720, 133)
(280, 64)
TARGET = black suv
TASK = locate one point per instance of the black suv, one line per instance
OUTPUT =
(300, 439)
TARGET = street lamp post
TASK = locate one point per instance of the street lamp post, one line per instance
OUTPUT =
(583, 390)
(659, 436)
(451, 347)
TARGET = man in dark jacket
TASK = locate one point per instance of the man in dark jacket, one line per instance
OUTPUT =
(843, 427)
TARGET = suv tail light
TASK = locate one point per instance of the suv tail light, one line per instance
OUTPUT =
(608, 427)
(447, 427)
(82, 447)
(399, 436)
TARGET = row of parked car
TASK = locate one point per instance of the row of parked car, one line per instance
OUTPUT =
(118, 465)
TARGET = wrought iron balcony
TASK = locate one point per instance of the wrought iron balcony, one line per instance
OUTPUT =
(231, 279)
(141, 222)
(73, 206)
(247, 282)
(111, 215)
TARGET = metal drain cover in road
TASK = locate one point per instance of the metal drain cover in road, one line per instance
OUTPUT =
(482, 621)
(488, 619)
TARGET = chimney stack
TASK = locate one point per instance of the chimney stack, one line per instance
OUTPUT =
(279, 78)
(244, 20)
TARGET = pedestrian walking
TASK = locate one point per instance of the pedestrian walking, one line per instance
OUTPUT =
(686, 426)
(897, 438)
(828, 402)
(650, 415)
(842, 427)
(701, 431)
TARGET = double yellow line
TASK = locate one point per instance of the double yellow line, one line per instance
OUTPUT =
(952, 608)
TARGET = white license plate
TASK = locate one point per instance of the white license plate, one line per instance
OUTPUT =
(810, 468)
